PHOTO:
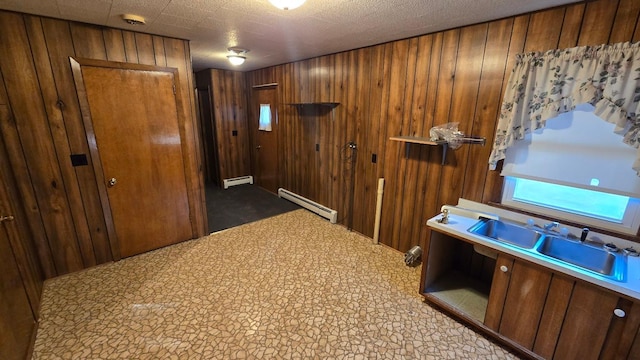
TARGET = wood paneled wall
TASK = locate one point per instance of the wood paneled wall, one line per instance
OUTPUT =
(45, 127)
(404, 88)
(229, 106)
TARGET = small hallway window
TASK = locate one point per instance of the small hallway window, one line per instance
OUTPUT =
(265, 117)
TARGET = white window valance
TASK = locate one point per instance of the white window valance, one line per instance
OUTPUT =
(544, 85)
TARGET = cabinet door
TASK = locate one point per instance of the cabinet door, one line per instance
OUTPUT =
(499, 287)
(518, 293)
(622, 333)
(524, 303)
(631, 349)
(553, 314)
(586, 323)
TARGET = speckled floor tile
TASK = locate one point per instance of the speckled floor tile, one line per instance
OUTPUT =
(289, 287)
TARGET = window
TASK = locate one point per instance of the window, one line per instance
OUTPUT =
(265, 117)
(576, 169)
(592, 208)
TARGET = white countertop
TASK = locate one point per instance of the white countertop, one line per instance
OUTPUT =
(459, 224)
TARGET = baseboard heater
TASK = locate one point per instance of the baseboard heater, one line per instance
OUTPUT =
(312, 206)
(237, 181)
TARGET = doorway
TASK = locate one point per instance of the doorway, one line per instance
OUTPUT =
(208, 131)
(265, 150)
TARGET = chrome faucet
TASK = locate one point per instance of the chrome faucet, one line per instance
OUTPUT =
(551, 225)
(445, 217)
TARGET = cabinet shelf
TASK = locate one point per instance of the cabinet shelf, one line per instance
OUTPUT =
(408, 140)
(461, 292)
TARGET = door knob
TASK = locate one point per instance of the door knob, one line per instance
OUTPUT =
(504, 268)
(258, 147)
(619, 313)
(6, 218)
(112, 182)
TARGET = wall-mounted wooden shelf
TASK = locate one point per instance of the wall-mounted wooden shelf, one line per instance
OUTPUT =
(316, 108)
(408, 140)
(312, 104)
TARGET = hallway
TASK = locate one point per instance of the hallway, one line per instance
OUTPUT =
(242, 204)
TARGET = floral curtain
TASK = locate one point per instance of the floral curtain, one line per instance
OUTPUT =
(544, 85)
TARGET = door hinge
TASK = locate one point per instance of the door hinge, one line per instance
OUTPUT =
(174, 89)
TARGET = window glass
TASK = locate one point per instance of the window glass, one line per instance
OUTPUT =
(265, 117)
(591, 203)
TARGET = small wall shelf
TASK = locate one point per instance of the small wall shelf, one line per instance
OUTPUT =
(330, 105)
(316, 108)
(408, 140)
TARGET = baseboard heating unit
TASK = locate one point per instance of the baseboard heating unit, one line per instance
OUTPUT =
(312, 206)
(237, 181)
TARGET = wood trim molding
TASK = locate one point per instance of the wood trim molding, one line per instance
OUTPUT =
(76, 69)
(121, 65)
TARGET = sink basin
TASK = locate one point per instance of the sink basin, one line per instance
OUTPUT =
(584, 256)
(507, 232)
(571, 252)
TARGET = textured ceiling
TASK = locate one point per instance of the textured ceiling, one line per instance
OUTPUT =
(276, 36)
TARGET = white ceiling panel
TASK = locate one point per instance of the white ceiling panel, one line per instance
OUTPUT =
(276, 36)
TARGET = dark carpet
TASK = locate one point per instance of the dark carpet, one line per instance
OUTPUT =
(242, 204)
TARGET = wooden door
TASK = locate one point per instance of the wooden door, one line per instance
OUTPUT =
(16, 318)
(133, 129)
(266, 142)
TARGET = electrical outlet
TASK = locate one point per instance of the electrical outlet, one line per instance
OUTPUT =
(234, 132)
(317, 147)
(374, 158)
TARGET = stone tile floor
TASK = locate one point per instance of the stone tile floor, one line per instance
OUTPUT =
(292, 286)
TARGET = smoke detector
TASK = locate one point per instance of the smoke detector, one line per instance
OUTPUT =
(133, 19)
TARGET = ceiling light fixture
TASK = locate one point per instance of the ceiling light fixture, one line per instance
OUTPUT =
(133, 19)
(287, 4)
(237, 58)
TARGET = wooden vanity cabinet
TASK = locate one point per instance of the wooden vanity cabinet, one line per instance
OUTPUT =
(553, 315)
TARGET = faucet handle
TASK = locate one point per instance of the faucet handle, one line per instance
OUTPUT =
(583, 236)
(445, 217)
